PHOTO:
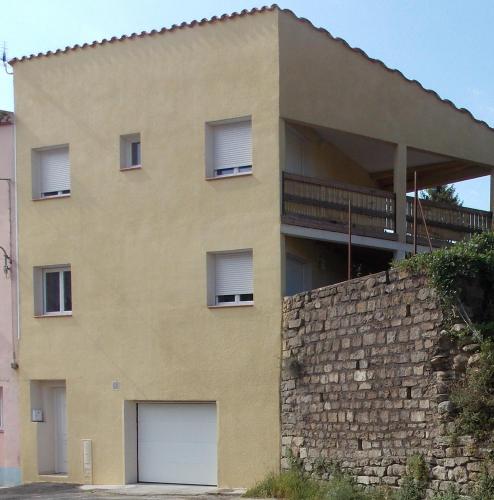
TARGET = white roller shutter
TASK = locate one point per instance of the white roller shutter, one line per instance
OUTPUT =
(54, 170)
(234, 273)
(232, 145)
(177, 443)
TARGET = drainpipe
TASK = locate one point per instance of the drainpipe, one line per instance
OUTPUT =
(9, 267)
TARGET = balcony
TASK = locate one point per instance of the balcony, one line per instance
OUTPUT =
(323, 204)
(446, 224)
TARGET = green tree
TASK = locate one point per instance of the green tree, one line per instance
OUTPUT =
(442, 194)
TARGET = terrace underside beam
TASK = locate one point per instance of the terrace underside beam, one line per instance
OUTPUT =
(435, 174)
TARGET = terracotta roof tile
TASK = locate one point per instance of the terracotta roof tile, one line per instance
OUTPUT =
(242, 13)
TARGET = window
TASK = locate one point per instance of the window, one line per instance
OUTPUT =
(229, 148)
(1, 409)
(232, 278)
(53, 290)
(51, 172)
(130, 151)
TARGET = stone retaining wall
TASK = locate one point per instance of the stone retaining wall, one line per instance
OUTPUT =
(365, 378)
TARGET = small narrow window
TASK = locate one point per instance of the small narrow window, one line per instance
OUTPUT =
(130, 151)
(233, 279)
(51, 172)
(56, 290)
(229, 148)
(1, 409)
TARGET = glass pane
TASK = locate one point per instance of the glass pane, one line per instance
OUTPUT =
(246, 297)
(222, 299)
(225, 171)
(52, 292)
(135, 153)
(67, 291)
(243, 170)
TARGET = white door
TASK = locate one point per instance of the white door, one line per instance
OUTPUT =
(177, 443)
(60, 429)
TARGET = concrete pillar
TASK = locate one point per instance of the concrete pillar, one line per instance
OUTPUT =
(400, 189)
(492, 198)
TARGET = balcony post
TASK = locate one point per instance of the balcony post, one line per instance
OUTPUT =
(492, 199)
(400, 190)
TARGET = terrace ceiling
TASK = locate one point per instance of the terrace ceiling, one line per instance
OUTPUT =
(377, 158)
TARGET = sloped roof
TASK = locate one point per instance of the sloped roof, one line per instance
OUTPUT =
(242, 13)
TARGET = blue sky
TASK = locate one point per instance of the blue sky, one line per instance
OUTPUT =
(445, 44)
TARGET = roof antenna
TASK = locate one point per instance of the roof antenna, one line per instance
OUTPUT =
(4, 60)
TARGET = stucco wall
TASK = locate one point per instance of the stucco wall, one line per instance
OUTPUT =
(323, 82)
(323, 159)
(365, 382)
(137, 240)
(9, 435)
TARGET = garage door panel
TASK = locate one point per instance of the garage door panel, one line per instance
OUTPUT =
(177, 443)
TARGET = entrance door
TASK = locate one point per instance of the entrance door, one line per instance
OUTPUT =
(177, 443)
(60, 429)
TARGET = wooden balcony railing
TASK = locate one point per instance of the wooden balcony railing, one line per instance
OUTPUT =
(446, 224)
(323, 204)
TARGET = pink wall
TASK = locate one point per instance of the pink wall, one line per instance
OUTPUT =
(9, 434)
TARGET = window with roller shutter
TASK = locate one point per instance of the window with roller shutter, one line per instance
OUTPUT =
(233, 278)
(51, 172)
(231, 145)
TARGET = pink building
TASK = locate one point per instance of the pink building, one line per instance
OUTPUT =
(9, 413)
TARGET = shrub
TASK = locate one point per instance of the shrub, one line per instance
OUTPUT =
(484, 489)
(292, 485)
(295, 485)
(462, 275)
(415, 482)
(474, 397)
(450, 494)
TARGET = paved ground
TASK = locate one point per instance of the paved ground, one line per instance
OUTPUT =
(48, 491)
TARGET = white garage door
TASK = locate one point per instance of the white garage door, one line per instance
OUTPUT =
(177, 443)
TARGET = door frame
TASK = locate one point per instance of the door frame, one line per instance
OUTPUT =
(168, 402)
(57, 444)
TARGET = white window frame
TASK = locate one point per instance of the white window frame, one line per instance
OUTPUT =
(236, 301)
(126, 142)
(61, 291)
(212, 298)
(211, 170)
(2, 427)
(37, 194)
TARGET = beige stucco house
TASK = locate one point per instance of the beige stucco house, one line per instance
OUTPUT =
(172, 187)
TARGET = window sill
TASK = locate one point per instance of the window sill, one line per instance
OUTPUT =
(217, 177)
(133, 167)
(54, 315)
(53, 197)
(223, 306)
